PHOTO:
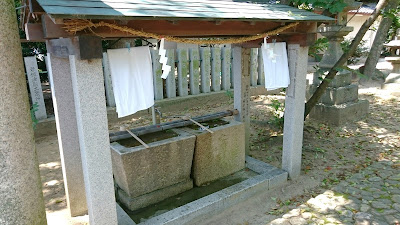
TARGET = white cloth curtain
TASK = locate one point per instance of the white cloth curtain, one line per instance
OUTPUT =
(276, 66)
(132, 79)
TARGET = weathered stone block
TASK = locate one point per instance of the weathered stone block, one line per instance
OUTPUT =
(340, 95)
(340, 114)
(341, 79)
(139, 171)
(139, 202)
(218, 154)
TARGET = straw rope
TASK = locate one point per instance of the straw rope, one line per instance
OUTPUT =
(76, 25)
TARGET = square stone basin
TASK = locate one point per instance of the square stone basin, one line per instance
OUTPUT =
(144, 176)
(217, 154)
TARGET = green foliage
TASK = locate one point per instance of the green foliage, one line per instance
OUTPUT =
(319, 46)
(37, 49)
(346, 68)
(333, 6)
(277, 117)
(361, 51)
(229, 94)
(394, 15)
(34, 108)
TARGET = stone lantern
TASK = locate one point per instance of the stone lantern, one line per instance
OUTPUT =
(392, 82)
(340, 102)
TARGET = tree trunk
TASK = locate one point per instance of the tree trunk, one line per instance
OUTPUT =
(21, 198)
(343, 59)
(380, 38)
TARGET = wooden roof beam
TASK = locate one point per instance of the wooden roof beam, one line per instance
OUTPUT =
(184, 28)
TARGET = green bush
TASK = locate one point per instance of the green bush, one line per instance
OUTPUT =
(361, 51)
(319, 46)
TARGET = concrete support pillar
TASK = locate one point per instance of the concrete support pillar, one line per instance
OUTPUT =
(294, 110)
(241, 79)
(21, 197)
(67, 132)
(90, 107)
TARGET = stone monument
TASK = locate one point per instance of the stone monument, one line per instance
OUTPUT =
(392, 81)
(340, 102)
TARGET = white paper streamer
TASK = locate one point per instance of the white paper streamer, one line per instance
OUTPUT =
(270, 49)
(163, 60)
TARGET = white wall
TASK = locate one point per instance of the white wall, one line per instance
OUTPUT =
(356, 22)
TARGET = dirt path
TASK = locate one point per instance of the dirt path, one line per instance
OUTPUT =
(329, 155)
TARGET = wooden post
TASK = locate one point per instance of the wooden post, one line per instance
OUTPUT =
(170, 81)
(253, 66)
(261, 75)
(183, 71)
(226, 68)
(241, 76)
(194, 73)
(216, 69)
(157, 80)
(205, 55)
(294, 110)
(108, 81)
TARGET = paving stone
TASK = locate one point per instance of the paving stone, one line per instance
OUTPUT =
(375, 179)
(368, 197)
(279, 221)
(379, 205)
(395, 191)
(385, 175)
(372, 190)
(395, 177)
(306, 215)
(292, 213)
(362, 218)
(392, 182)
(354, 204)
(297, 220)
(389, 212)
(378, 222)
(374, 193)
(347, 213)
(396, 206)
(364, 208)
(385, 200)
(396, 198)
(358, 176)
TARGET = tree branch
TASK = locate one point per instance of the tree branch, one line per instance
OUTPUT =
(353, 46)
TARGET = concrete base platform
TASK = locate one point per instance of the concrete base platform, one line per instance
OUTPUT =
(340, 114)
(152, 197)
(268, 178)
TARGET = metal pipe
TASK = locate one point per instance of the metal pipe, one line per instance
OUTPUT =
(169, 125)
(153, 115)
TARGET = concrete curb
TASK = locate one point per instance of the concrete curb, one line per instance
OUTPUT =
(268, 178)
